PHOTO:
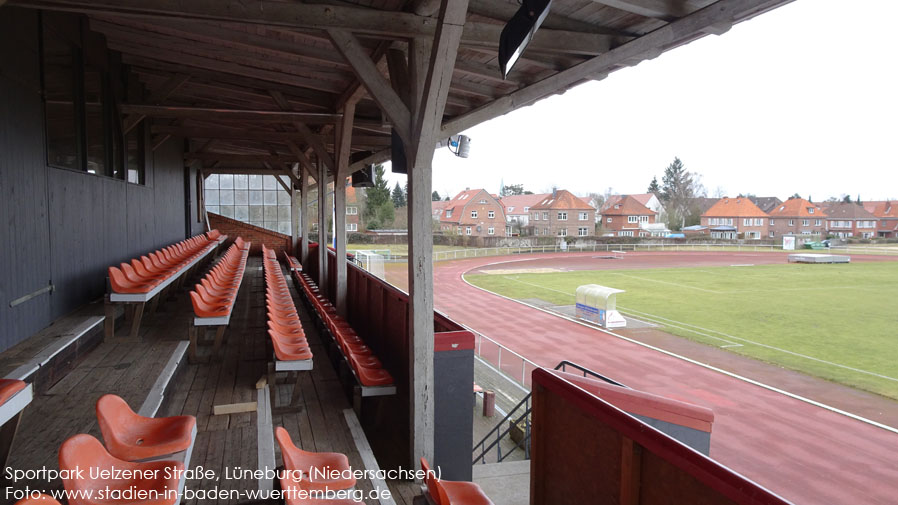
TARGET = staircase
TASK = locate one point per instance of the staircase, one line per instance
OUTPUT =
(517, 422)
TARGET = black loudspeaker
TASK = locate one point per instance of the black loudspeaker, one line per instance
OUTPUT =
(519, 31)
(364, 178)
(397, 154)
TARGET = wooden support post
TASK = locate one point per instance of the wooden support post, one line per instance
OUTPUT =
(296, 211)
(427, 119)
(343, 144)
(135, 319)
(192, 356)
(304, 217)
(7, 434)
(323, 212)
(219, 339)
(109, 320)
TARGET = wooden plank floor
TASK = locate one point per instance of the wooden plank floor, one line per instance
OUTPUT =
(231, 441)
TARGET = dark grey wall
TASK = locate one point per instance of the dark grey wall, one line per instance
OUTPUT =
(60, 226)
(453, 439)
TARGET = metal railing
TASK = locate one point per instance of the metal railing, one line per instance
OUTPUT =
(515, 366)
(518, 419)
(609, 248)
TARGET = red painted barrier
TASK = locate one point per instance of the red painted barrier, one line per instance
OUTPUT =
(585, 450)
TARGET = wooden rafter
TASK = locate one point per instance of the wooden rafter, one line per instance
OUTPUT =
(158, 96)
(228, 114)
(357, 20)
(306, 133)
(378, 86)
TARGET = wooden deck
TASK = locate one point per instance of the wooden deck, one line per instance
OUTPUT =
(223, 441)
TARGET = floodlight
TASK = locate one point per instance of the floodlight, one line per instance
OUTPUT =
(519, 31)
(462, 145)
(363, 178)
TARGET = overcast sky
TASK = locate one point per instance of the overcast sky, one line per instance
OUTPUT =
(801, 99)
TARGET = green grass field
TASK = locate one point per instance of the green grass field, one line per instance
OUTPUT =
(838, 322)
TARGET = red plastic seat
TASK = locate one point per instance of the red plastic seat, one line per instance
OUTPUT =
(40, 499)
(121, 284)
(203, 309)
(9, 387)
(296, 459)
(371, 377)
(290, 352)
(84, 451)
(448, 492)
(131, 437)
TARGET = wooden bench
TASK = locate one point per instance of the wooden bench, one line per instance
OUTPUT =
(213, 299)
(370, 377)
(291, 352)
(148, 278)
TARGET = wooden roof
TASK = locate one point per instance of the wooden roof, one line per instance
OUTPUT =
(258, 84)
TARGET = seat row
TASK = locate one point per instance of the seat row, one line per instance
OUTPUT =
(366, 367)
(214, 296)
(143, 274)
(284, 327)
(130, 441)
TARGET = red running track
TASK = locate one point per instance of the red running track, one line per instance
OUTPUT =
(804, 453)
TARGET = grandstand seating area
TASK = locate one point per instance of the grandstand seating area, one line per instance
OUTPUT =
(150, 277)
(213, 298)
(373, 379)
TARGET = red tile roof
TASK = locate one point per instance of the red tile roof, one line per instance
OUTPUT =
(847, 211)
(734, 207)
(563, 200)
(884, 209)
(515, 204)
(797, 207)
(628, 206)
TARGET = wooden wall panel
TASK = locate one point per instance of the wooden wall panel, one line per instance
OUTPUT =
(24, 249)
(63, 226)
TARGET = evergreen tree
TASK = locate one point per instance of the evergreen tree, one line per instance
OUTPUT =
(398, 196)
(377, 201)
(514, 189)
(678, 190)
(435, 197)
(654, 188)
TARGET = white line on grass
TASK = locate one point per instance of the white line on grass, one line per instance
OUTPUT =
(682, 326)
(694, 362)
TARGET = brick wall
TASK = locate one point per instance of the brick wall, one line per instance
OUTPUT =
(255, 234)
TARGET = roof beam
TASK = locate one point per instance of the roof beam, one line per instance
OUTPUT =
(238, 158)
(244, 134)
(664, 10)
(723, 12)
(158, 96)
(308, 16)
(378, 86)
(306, 133)
(228, 114)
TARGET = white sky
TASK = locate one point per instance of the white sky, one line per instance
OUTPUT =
(801, 99)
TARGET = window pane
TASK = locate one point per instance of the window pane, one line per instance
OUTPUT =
(134, 144)
(93, 122)
(59, 92)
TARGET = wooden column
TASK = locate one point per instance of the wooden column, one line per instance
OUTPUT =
(296, 212)
(304, 216)
(343, 144)
(323, 212)
(428, 104)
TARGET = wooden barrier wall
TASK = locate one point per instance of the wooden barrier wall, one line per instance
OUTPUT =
(379, 313)
(584, 450)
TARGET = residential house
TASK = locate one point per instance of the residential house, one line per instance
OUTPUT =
(886, 214)
(474, 212)
(437, 208)
(353, 217)
(562, 214)
(796, 216)
(732, 218)
(627, 217)
(766, 203)
(517, 210)
(650, 200)
(845, 220)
